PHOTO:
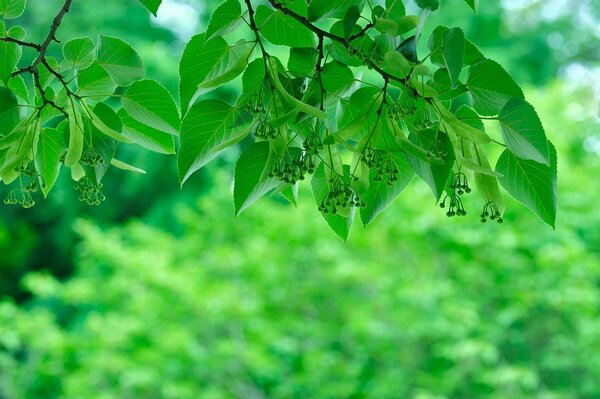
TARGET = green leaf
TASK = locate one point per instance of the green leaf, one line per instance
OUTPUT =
(454, 126)
(394, 9)
(408, 48)
(95, 82)
(406, 24)
(531, 183)
(151, 5)
(337, 78)
(233, 62)
(472, 54)
(318, 9)
(491, 87)
(10, 54)
(252, 179)
(434, 174)
(9, 111)
(10, 9)
(443, 86)
(150, 103)
(199, 58)
(146, 136)
(474, 4)
(50, 149)
(120, 60)
(523, 131)
(451, 48)
(430, 4)
(79, 53)
(225, 19)
(380, 195)
(106, 121)
(18, 151)
(208, 128)
(396, 64)
(17, 32)
(350, 19)
(126, 167)
(338, 223)
(76, 137)
(302, 61)
(104, 144)
(18, 86)
(282, 29)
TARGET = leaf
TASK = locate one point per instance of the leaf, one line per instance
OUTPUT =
(75, 148)
(434, 174)
(80, 53)
(95, 82)
(146, 136)
(350, 19)
(50, 149)
(126, 167)
(209, 127)
(474, 4)
(150, 103)
(199, 58)
(232, 63)
(408, 48)
(9, 111)
(337, 78)
(451, 48)
(338, 223)
(16, 32)
(302, 61)
(252, 179)
(20, 150)
(532, 183)
(491, 87)
(225, 19)
(379, 195)
(282, 29)
(106, 121)
(151, 5)
(17, 85)
(10, 54)
(119, 60)
(472, 54)
(523, 131)
(394, 9)
(396, 64)
(318, 9)
(452, 125)
(10, 9)
(103, 144)
(430, 4)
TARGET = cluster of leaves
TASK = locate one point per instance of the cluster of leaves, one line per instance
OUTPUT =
(350, 104)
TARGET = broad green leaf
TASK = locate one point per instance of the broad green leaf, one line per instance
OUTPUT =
(282, 29)
(396, 64)
(17, 32)
(386, 25)
(94, 82)
(9, 111)
(19, 150)
(76, 136)
(10, 54)
(472, 54)
(199, 58)
(225, 19)
(106, 121)
(151, 5)
(18, 86)
(350, 19)
(532, 183)
(151, 104)
(337, 78)
(523, 131)
(491, 87)
(146, 136)
(79, 53)
(443, 86)
(450, 46)
(406, 24)
(302, 61)
(474, 4)
(408, 48)
(394, 9)
(380, 195)
(10, 9)
(430, 4)
(318, 9)
(50, 149)
(339, 224)
(208, 128)
(233, 62)
(120, 60)
(452, 125)
(103, 144)
(434, 174)
(126, 167)
(252, 179)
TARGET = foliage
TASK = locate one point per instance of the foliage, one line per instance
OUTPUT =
(355, 104)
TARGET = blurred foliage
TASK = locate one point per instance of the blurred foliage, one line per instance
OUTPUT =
(272, 305)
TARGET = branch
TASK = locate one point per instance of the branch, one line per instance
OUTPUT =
(21, 43)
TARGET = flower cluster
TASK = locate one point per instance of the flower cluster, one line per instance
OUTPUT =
(265, 130)
(385, 167)
(437, 149)
(341, 195)
(89, 191)
(459, 186)
(490, 210)
(22, 195)
(405, 107)
(91, 157)
(292, 168)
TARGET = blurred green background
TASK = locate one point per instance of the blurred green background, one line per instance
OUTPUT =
(161, 293)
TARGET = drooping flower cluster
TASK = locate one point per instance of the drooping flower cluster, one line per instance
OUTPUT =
(22, 195)
(453, 201)
(490, 210)
(91, 157)
(385, 167)
(89, 191)
(341, 195)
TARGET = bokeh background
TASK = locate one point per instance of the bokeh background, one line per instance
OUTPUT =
(161, 293)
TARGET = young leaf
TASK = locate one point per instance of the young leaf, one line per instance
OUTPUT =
(394, 9)
(429, 4)
(350, 19)
(75, 136)
(151, 5)
(226, 18)
(523, 132)
(474, 4)
(17, 85)
(532, 183)
(491, 87)
(252, 179)
(119, 60)
(151, 104)
(318, 9)
(106, 121)
(10, 9)
(396, 64)
(95, 82)
(50, 149)
(79, 53)
(282, 29)
(146, 136)
(209, 127)
(10, 54)
(126, 167)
